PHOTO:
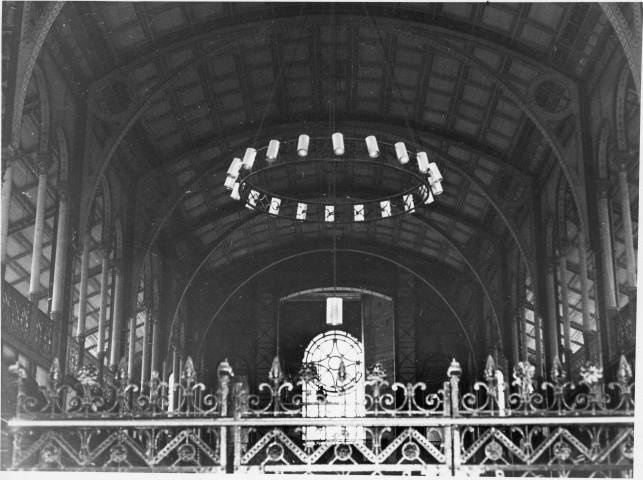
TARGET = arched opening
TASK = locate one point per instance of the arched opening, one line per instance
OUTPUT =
(337, 388)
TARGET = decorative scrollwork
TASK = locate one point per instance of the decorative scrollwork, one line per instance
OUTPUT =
(117, 396)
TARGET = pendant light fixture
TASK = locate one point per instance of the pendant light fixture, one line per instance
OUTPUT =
(335, 304)
(255, 178)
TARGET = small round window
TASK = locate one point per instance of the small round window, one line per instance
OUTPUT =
(339, 359)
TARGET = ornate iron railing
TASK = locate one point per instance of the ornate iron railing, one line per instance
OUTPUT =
(553, 428)
(32, 327)
(625, 331)
(73, 358)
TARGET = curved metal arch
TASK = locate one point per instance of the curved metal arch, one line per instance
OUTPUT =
(560, 212)
(138, 108)
(473, 269)
(241, 223)
(164, 46)
(133, 113)
(45, 112)
(51, 13)
(147, 280)
(631, 46)
(603, 141)
(299, 293)
(63, 156)
(550, 234)
(347, 119)
(118, 237)
(106, 231)
(351, 250)
(619, 105)
(174, 202)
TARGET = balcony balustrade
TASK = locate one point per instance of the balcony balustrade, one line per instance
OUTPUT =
(24, 321)
(552, 428)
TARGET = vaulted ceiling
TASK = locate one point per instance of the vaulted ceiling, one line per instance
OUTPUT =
(487, 89)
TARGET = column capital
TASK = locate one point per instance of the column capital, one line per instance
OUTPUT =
(603, 188)
(117, 264)
(79, 246)
(552, 263)
(8, 156)
(105, 250)
(43, 160)
(562, 247)
(624, 159)
(63, 191)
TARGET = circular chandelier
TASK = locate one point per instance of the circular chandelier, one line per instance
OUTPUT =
(316, 180)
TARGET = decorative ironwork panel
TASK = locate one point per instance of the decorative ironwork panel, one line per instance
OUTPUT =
(546, 450)
(117, 449)
(33, 328)
(405, 315)
(266, 333)
(118, 397)
(386, 450)
(625, 331)
(522, 428)
(89, 361)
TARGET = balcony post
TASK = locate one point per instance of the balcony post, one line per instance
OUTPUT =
(131, 343)
(57, 296)
(523, 333)
(44, 162)
(582, 254)
(562, 271)
(551, 325)
(82, 297)
(145, 358)
(538, 333)
(8, 157)
(606, 245)
(630, 255)
(177, 377)
(117, 302)
(102, 315)
(628, 235)
(155, 325)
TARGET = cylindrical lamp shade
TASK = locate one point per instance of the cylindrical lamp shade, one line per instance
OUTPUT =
(330, 213)
(409, 204)
(338, 143)
(426, 194)
(434, 173)
(302, 145)
(273, 150)
(371, 145)
(334, 310)
(423, 162)
(233, 171)
(274, 206)
(301, 211)
(358, 213)
(229, 182)
(249, 158)
(386, 208)
(235, 192)
(402, 154)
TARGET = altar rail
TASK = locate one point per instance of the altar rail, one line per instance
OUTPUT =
(554, 428)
